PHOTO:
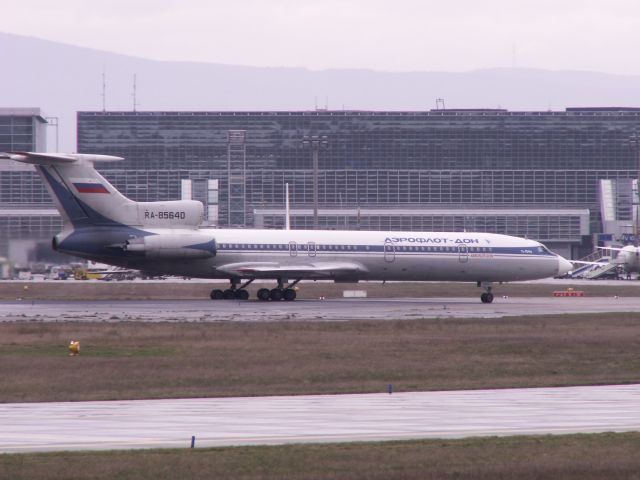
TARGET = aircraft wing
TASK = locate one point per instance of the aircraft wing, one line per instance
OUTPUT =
(302, 270)
(616, 249)
(582, 262)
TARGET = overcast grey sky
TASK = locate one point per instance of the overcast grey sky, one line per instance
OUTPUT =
(393, 35)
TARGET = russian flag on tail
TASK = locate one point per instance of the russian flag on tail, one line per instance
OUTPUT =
(88, 185)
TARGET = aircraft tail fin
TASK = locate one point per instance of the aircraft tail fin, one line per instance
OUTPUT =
(86, 198)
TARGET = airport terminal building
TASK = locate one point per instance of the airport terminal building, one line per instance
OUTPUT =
(531, 174)
(27, 217)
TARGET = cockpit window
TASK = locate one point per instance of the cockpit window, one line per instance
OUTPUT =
(543, 249)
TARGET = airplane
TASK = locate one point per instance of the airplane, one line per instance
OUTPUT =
(165, 238)
(628, 256)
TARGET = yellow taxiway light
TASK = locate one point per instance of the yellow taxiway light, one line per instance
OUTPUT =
(74, 348)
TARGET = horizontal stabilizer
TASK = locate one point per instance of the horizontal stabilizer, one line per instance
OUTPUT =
(57, 158)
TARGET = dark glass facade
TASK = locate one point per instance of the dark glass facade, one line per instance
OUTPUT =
(526, 164)
(20, 129)
(432, 159)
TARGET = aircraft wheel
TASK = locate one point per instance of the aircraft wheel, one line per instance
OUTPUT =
(486, 297)
(275, 294)
(216, 294)
(263, 294)
(241, 294)
(229, 294)
(289, 294)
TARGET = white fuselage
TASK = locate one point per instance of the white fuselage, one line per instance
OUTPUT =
(426, 256)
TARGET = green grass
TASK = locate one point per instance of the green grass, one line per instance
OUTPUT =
(580, 457)
(56, 351)
(129, 360)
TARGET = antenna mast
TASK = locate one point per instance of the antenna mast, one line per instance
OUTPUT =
(104, 91)
(135, 101)
(287, 211)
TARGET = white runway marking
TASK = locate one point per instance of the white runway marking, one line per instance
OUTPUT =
(28, 427)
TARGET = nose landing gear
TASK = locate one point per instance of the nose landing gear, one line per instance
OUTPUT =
(486, 297)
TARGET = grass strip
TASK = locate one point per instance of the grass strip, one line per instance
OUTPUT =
(132, 360)
(583, 457)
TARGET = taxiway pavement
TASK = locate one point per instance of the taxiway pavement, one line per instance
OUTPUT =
(307, 310)
(28, 427)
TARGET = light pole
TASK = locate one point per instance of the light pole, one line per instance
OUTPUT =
(315, 143)
(634, 143)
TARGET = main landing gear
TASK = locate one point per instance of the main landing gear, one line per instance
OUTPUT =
(233, 292)
(279, 293)
(486, 297)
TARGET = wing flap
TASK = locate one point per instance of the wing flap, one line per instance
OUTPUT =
(303, 270)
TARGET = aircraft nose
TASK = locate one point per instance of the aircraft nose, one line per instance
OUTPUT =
(564, 266)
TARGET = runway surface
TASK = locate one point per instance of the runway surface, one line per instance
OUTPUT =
(31, 427)
(341, 309)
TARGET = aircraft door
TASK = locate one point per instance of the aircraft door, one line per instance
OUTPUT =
(311, 249)
(389, 252)
(293, 249)
(463, 253)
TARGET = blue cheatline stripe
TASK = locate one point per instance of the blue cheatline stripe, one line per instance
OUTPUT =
(517, 251)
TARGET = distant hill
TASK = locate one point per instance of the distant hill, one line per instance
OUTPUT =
(62, 79)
